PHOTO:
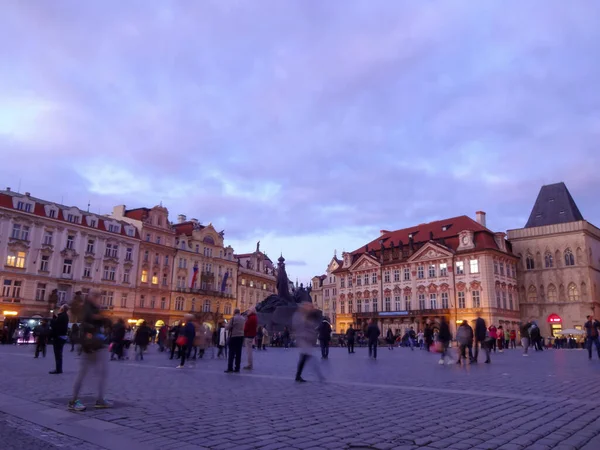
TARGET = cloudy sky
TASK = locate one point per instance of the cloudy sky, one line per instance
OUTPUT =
(307, 125)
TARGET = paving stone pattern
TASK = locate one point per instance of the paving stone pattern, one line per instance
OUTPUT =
(404, 400)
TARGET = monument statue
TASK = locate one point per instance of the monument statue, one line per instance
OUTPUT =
(276, 310)
(258, 247)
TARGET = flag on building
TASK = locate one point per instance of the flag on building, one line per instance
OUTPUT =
(195, 276)
(224, 282)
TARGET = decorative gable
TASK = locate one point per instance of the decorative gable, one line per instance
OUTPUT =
(365, 262)
(431, 251)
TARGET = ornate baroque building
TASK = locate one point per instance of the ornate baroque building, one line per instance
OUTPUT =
(51, 253)
(204, 274)
(257, 278)
(156, 259)
(456, 268)
(559, 262)
(324, 291)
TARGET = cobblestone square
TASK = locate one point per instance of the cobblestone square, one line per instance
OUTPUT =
(403, 400)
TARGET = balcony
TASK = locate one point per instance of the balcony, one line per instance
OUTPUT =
(411, 313)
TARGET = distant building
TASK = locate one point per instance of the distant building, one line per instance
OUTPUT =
(456, 268)
(156, 257)
(324, 291)
(52, 254)
(204, 274)
(559, 268)
(257, 278)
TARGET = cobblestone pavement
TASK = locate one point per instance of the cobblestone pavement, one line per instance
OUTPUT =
(404, 400)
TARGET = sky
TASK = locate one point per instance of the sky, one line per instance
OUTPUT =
(307, 125)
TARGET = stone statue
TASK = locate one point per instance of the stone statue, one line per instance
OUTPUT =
(258, 247)
(283, 289)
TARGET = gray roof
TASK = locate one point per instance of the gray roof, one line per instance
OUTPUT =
(554, 205)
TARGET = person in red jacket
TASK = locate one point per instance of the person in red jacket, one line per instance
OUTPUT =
(249, 334)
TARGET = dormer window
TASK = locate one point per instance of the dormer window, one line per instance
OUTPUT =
(24, 206)
(52, 214)
(72, 218)
(93, 223)
(130, 232)
(113, 228)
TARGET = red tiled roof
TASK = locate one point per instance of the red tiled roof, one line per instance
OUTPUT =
(184, 228)
(137, 213)
(422, 233)
(40, 211)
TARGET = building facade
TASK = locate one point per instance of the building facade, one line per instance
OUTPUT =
(257, 278)
(156, 260)
(324, 291)
(559, 263)
(205, 273)
(456, 268)
(52, 254)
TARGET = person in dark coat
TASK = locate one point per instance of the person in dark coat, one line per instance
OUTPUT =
(324, 338)
(428, 336)
(351, 335)
(74, 336)
(142, 339)
(390, 339)
(173, 335)
(444, 338)
(286, 338)
(373, 334)
(59, 327)
(480, 335)
(464, 337)
(118, 339)
(189, 332)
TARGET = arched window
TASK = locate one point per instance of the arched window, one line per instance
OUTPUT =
(179, 301)
(530, 263)
(569, 258)
(552, 295)
(358, 305)
(206, 306)
(573, 293)
(549, 260)
(532, 294)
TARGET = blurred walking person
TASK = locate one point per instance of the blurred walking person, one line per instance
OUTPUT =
(186, 338)
(93, 356)
(592, 331)
(305, 322)
(464, 337)
(480, 337)
(286, 338)
(373, 334)
(41, 333)
(142, 339)
(390, 339)
(351, 336)
(74, 336)
(324, 338)
(525, 337)
(444, 337)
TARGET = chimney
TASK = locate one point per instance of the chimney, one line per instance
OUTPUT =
(480, 215)
(181, 218)
(382, 232)
(27, 194)
(118, 211)
(8, 189)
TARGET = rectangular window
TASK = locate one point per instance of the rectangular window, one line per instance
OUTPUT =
(474, 266)
(342, 308)
(164, 279)
(359, 305)
(93, 223)
(386, 277)
(504, 305)
(350, 281)
(40, 292)
(388, 304)
(406, 274)
(476, 299)
(433, 301)
(113, 228)
(48, 238)
(110, 298)
(16, 231)
(163, 303)
(90, 246)
(148, 237)
(72, 218)
(156, 258)
(443, 270)
(397, 305)
(115, 251)
(52, 214)
(350, 308)
(374, 278)
(445, 301)
(460, 268)
(126, 275)
(25, 233)
(420, 272)
(367, 309)
(461, 300)
(44, 263)
(501, 269)
(155, 278)
(67, 267)
(342, 282)
(108, 250)
(166, 260)
(112, 273)
(124, 300)
(17, 289)
(153, 302)
(158, 239)
(142, 301)
(510, 300)
(496, 271)
(366, 279)
(421, 301)
(358, 280)
(146, 256)
(144, 276)
(130, 232)
(396, 275)
(432, 271)
(407, 303)
(87, 271)
(498, 301)
(375, 303)
(128, 254)
(16, 259)
(6, 288)
(70, 241)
